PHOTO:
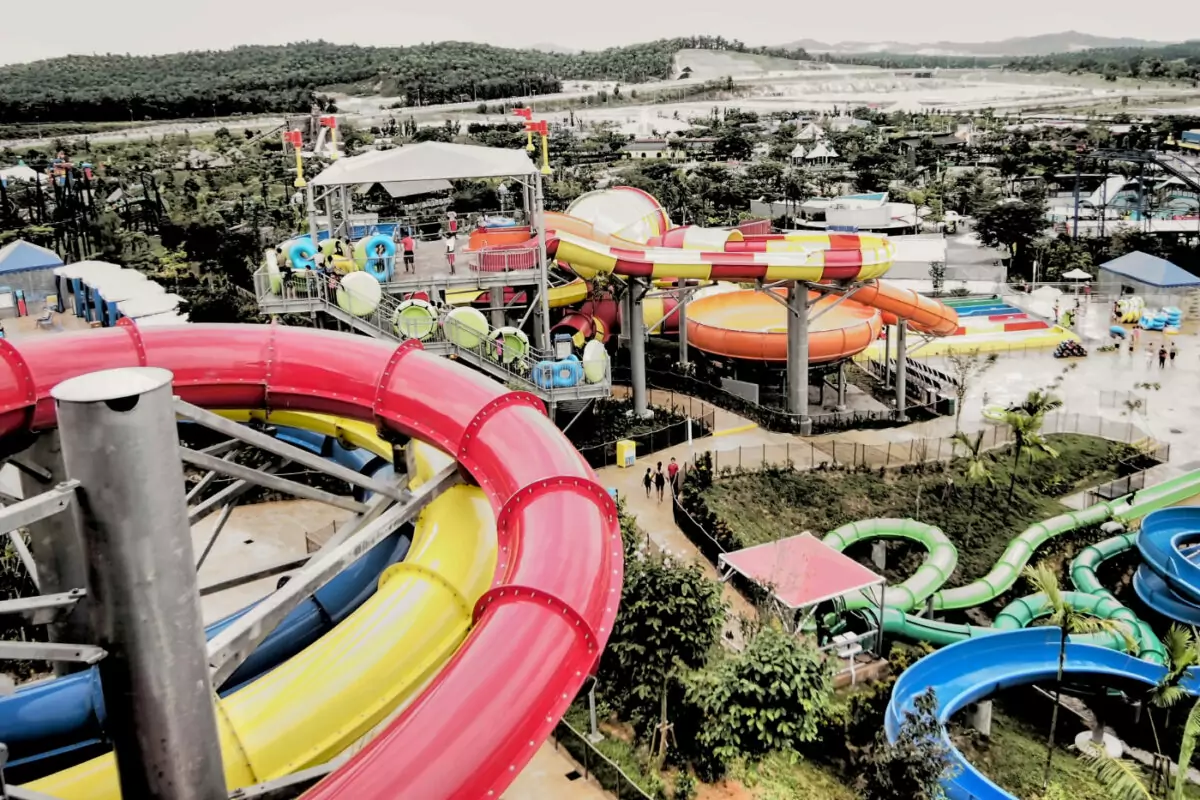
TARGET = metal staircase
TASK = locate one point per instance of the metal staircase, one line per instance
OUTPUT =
(1174, 164)
(515, 370)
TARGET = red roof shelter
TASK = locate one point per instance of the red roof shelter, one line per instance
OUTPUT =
(802, 571)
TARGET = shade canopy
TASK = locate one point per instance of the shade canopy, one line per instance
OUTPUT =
(801, 571)
(1076, 275)
(427, 161)
(20, 256)
(1150, 270)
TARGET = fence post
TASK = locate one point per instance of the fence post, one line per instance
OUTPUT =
(764, 458)
(911, 444)
(887, 460)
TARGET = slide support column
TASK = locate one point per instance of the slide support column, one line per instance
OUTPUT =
(901, 368)
(682, 312)
(841, 387)
(797, 355)
(542, 326)
(637, 346)
(58, 548)
(119, 440)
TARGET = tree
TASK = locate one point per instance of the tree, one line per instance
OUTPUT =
(915, 765)
(1011, 225)
(1126, 781)
(670, 617)
(977, 460)
(937, 275)
(965, 367)
(773, 696)
(1027, 437)
(1068, 620)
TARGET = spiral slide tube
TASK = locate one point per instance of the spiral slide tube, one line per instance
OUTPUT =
(974, 669)
(51, 720)
(537, 632)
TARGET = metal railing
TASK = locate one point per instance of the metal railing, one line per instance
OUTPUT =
(648, 442)
(597, 765)
(523, 366)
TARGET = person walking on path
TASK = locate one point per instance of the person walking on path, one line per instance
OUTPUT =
(1149, 355)
(673, 471)
(409, 246)
(1131, 349)
(660, 481)
(647, 481)
(450, 252)
(1162, 356)
(1136, 335)
(1172, 354)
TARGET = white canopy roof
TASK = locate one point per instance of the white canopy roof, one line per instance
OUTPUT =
(1076, 275)
(85, 269)
(821, 151)
(798, 151)
(115, 292)
(149, 305)
(427, 161)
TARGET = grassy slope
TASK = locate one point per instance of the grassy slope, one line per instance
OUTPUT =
(1015, 747)
(791, 502)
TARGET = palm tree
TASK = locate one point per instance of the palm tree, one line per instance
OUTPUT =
(1027, 437)
(1044, 579)
(1126, 781)
(977, 460)
(1039, 403)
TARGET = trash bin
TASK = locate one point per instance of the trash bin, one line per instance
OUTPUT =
(626, 452)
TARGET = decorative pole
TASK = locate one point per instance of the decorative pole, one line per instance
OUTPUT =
(527, 115)
(542, 129)
(296, 140)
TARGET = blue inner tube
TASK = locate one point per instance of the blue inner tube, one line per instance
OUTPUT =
(302, 254)
(558, 374)
(380, 266)
(54, 724)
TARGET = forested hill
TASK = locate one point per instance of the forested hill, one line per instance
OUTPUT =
(256, 79)
(1178, 61)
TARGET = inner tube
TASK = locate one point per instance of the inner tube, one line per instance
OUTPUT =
(466, 327)
(375, 265)
(302, 254)
(331, 248)
(359, 294)
(414, 319)
(994, 414)
(508, 345)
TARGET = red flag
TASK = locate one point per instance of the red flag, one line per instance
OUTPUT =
(329, 121)
(527, 113)
(294, 138)
(541, 127)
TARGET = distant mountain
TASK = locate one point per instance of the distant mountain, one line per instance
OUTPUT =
(1045, 44)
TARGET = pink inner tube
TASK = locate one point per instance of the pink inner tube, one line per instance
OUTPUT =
(538, 631)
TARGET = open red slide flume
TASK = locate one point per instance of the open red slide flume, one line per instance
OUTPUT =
(538, 632)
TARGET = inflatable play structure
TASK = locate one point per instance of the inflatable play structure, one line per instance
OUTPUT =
(467, 650)
(977, 661)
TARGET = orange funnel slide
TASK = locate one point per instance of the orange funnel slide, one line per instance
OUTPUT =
(750, 325)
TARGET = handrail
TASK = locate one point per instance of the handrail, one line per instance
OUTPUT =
(617, 782)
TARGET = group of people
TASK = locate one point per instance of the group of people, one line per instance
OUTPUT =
(1163, 352)
(406, 244)
(657, 480)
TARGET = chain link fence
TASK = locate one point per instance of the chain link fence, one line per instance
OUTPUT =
(814, 453)
(605, 455)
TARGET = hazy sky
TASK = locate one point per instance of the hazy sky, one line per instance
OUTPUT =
(158, 26)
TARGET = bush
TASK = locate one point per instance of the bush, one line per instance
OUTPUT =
(916, 764)
(670, 617)
(773, 696)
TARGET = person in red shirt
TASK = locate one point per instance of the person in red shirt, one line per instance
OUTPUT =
(672, 471)
(409, 247)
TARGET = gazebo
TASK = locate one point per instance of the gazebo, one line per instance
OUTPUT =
(802, 572)
(28, 268)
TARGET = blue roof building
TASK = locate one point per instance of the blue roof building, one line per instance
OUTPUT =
(29, 268)
(1156, 280)
(1150, 270)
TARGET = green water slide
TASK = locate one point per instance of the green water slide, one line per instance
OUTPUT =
(1091, 598)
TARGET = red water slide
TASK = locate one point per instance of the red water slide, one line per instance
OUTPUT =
(538, 632)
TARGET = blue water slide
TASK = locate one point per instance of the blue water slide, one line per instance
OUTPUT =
(974, 669)
(1164, 544)
(54, 720)
(1158, 597)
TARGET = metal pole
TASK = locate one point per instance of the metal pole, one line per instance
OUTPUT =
(683, 340)
(637, 346)
(58, 548)
(539, 206)
(120, 442)
(797, 352)
(841, 387)
(312, 213)
(901, 368)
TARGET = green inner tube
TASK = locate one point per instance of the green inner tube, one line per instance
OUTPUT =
(414, 320)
